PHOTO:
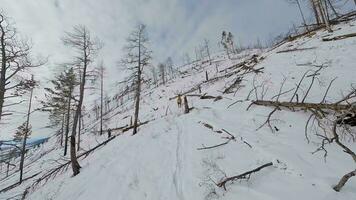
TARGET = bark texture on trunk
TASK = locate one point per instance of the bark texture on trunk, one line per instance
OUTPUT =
(343, 180)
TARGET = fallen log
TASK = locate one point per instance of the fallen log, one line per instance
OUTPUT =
(340, 37)
(211, 147)
(343, 180)
(245, 175)
(17, 183)
(131, 127)
(245, 69)
(233, 85)
(296, 49)
(319, 106)
(114, 129)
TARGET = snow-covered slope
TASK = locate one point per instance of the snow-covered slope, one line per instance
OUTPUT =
(163, 161)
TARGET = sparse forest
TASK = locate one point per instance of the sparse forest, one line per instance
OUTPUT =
(222, 117)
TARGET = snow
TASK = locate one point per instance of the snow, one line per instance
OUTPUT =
(162, 160)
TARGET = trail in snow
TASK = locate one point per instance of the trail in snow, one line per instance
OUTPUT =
(177, 181)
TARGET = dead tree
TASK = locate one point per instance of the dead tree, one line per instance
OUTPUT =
(101, 72)
(207, 48)
(301, 12)
(347, 150)
(14, 61)
(162, 72)
(80, 40)
(69, 100)
(321, 13)
(138, 56)
(24, 142)
(319, 112)
(186, 106)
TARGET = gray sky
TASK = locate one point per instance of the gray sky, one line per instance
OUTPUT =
(174, 26)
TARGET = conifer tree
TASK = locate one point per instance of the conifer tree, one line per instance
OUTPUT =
(21, 132)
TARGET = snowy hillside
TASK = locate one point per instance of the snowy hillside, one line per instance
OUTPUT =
(185, 156)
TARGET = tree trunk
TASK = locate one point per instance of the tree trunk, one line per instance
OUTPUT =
(79, 130)
(3, 71)
(316, 13)
(323, 11)
(301, 13)
(62, 129)
(138, 88)
(186, 106)
(343, 180)
(322, 106)
(333, 8)
(23, 151)
(73, 154)
(67, 123)
(101, 100)
(137, 101)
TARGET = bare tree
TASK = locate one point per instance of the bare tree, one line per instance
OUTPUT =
(101, 73)
(80, 39)
(154, 75)
(162, 72)
(301, 11)
(321, 13)
(207, 49)
(14, 60)
(170, 68)
(138, 56)
(26, 133)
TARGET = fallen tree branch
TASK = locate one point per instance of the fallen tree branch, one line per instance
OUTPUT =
(232, 137)
(296, 49)
(131, 127)
(211, 147)
(238, 101)
(233, 85)
(306, 106)
(17, 183)
(242, 176)
(340, 37)
(343, 180)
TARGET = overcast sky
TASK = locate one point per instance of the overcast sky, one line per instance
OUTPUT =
(174, 26)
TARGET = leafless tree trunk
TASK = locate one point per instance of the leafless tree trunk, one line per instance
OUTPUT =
(321, 11)
(80, 39)
(67, 122)
(302, 14)
(23, 151)
(333, 8)
(316, 13)
(79, 131)
(62, 128)
(324, 12)
(14, 58)
(206, 42)
(138, 56)
(186, 105)
(137, 97)
(343, 180)
(101, 97)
